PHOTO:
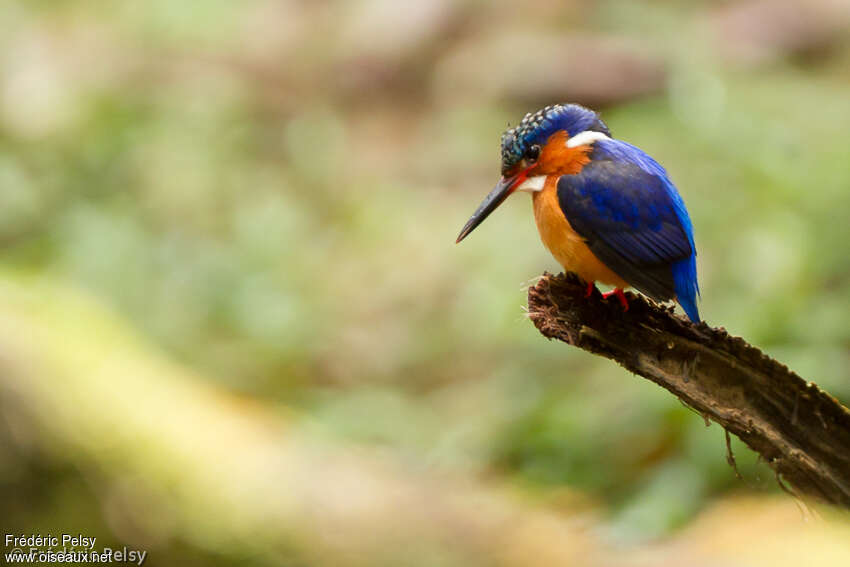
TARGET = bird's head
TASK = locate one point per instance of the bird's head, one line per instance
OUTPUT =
(552, 141)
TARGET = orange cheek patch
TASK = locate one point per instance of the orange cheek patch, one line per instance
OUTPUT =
(557, 159)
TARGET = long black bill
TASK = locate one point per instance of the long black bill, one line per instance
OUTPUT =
(499, 193)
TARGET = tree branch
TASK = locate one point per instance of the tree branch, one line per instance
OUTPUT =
(801, 431)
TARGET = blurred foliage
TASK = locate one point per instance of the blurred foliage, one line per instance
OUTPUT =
(270, 192)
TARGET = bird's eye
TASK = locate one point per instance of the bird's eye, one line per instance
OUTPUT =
(532, 153)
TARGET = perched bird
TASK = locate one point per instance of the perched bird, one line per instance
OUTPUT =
(604, 208)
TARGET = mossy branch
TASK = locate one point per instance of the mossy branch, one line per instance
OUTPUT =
(802, 432)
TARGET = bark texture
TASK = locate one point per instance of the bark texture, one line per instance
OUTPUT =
(801, 431)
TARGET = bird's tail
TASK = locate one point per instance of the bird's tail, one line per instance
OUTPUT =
(687, 288)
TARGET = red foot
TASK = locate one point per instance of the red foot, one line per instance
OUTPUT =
(620, 295)
(590, 288)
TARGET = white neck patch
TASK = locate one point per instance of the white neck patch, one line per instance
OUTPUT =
(532, 184)
(585, 138)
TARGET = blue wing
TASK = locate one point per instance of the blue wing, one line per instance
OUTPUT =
(634, 221)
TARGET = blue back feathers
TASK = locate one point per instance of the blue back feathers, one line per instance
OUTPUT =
(634, 220)
(536, 127)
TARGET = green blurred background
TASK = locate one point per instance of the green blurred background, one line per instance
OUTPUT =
(248, 210)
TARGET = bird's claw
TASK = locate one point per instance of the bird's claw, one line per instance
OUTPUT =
(620, 295)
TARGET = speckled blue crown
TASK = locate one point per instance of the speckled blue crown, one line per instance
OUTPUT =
(536, 127)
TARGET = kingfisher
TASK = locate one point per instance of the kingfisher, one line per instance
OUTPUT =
(604, 208)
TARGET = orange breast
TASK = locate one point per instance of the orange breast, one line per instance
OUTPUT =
(568, 248)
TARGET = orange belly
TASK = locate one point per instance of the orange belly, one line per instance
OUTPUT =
(568, 248)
